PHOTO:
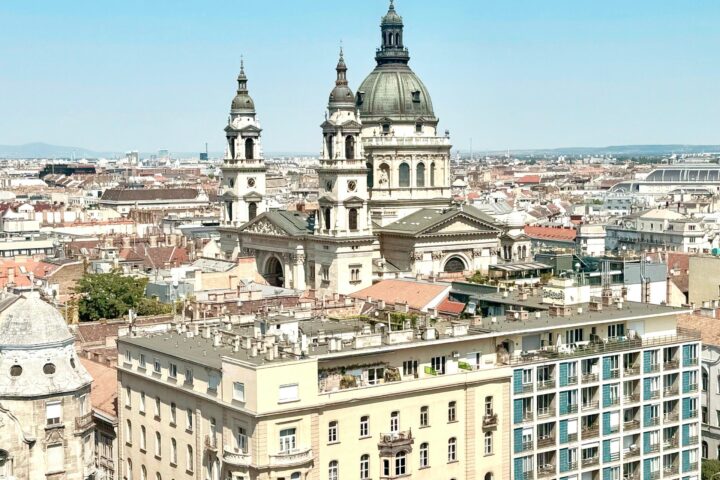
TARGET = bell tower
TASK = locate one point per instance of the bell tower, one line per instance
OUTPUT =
(342, 173)
(243, 167)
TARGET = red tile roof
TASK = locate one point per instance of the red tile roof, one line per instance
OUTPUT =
(103, 393)
(551, 233)
(418, 295)
(528, 179)
(451, 307)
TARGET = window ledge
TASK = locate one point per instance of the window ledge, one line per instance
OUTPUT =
(337, 442)
(173, 464)
(364, 437)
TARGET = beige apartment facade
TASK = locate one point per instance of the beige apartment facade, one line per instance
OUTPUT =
(203, 407)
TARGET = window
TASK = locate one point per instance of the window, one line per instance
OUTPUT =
(395, 422)
(488, 443)
(287, 440)
(365, 426)
(333, 470)
(452, 450)
(252, 210)
(432, 174)
(188, 376)
(128, 398)
(420, 173)
(288, 393)
(438, 365)
(128, 356)
(173, 413)
(156, 366)
(418, 128)
(573, 335)
(129, 469)
(157, 407)
(213, 381)
(241, 440)
(239, 391)
(142, 402)
(488, 405)
(404, 175)
(400, 464)
(173, 451)
(386, 467)
(143, 472)
(705, 380)
(172, 370)
(189, 419)
(410, 367)
(386, 128)
(142, 360)
(333, 432)
(158, 444)
(249, 149)
(143, 438)
(616, 330)
(424, 455)
(424, 416)
(53, 413)
(128, 432)
(704, 451)
(349, 147)
(190, 459)
(452, 411)
(364, 467)
(353, 219)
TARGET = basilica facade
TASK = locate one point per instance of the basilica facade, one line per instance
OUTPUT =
(385, 200)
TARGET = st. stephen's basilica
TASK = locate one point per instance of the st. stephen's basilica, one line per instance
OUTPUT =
(385, 203)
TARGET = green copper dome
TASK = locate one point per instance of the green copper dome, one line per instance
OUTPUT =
(242, 104)
(393, 91)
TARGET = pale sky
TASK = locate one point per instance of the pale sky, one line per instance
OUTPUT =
(514, 74)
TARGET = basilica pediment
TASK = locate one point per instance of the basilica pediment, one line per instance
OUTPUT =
(352, 125)
(459, 223)
(263, 226)
(252, 197)
(250, 129)
(327, 198)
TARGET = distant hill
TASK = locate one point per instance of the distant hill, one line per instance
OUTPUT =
(45, 150)
(638, 150)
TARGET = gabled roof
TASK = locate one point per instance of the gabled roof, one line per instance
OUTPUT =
(551, 233)
(430, 221)
(279, 221)
(418, 295)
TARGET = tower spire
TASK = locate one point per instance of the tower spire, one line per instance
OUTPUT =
(242, 78)
(341, 70)
(391, 29)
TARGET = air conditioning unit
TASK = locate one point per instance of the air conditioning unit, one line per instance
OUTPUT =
(456, 354)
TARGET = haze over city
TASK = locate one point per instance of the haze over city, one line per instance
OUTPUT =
(508, 74)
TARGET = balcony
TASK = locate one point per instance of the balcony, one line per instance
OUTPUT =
(83, 422)
(546, 384)
(691, 362)
(653, 394)
(670, 391)
(671, 442)
(527, 416)
(526, 446)
(654, 475)
(291, 458)
(692, 440)
(572, 380)
(652, 421)
(632, 371)
(692, 466)
(653, 448)
(589, 462)
(631, 425)
(671, 470)
(631, 452)
(547, 470)
(653, 368)
(236, 458)
(395, 439)
(692, 388)
(589, 377)
(671, 365)
(594, 405)
(590, 432)
(614, 373)
(670, 417)
(546, 441)
(490, 420)
(211, 443)
(631, 398)
(545, 412)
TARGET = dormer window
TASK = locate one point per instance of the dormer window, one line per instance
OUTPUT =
(418, 127)
(386, 129)
(360, 98)
(416, 96)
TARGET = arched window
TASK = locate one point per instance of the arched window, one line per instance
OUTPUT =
(143, 472)
(705, 380)
(384, 179)
(128, 431)
(326, 213)
(404, 175)
(158, 444)
(129, 472)
(249, 149)
(329, 141)
(400, 463)
(420, 175)
(333, 470)
(704, 450)
(252, 210)
(190, 459)
(489, 476)
(173, 451)
(424, 455)
(364, 467)
(158, 477)
(143, 439)
(370, 175)
(454, 265)
(353, 219)
(386, 129)
(231, 146)
(452, 449)
(432, 174)
(350, 147)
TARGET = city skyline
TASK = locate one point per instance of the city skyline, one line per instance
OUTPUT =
(519, 76)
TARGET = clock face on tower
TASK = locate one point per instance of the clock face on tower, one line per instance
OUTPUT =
(251, 182)
(352, 185)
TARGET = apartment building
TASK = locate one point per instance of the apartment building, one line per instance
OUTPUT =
(575, 391)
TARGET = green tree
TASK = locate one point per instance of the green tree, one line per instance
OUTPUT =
(710, 468)
(108, 295)
(153, 306)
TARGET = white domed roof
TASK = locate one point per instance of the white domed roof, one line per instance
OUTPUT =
(29, 321)
(37, 351)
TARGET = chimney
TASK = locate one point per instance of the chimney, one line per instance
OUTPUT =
(11, 275)
(217, 338)
(206, 331)
(153, 241)
(125, 242)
